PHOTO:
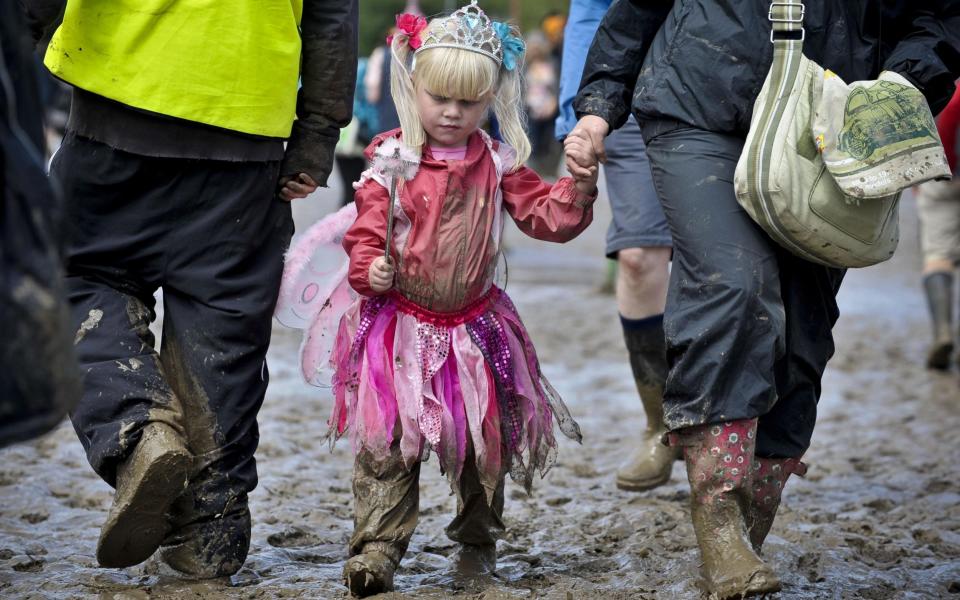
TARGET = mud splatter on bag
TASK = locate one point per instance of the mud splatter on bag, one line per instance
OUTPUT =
(877, 137)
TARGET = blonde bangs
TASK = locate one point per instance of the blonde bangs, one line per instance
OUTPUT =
(456, 73)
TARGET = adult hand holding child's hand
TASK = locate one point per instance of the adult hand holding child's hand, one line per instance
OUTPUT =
(381, 274)
(581, 158)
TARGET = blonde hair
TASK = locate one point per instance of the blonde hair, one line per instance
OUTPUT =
(456, 73)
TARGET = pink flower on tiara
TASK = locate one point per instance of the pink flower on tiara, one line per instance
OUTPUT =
(411, 25)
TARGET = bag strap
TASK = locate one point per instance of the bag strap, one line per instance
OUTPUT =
(786, 17)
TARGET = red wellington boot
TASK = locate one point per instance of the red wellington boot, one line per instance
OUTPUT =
(769, 477)
(719, 461)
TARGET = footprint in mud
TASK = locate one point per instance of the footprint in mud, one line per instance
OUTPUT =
(28, 565)
(35, 517)
(584, 470)
(292, 538)
(94, 502)
(880, 504)
(10, 477)
(938, 486)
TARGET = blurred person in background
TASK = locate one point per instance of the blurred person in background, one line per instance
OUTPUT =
(376, 83)
(541, 85)
(355, 137)
(175, 164)
(938, 207)
(39, 379)
(639, 240)
(552, 25)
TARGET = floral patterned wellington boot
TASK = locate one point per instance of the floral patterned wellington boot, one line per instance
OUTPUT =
(769, 477)
(719, 460)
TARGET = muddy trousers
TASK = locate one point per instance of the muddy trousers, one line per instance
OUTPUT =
(212, 236)
(748, 325)
(386, 506)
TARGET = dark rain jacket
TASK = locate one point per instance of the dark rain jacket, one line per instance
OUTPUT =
(703, 62)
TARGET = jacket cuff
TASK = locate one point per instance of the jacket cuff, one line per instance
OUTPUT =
(308, 152)
(567, 189)
(595, 103)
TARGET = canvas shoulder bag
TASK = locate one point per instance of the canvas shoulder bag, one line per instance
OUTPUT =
(782, 180)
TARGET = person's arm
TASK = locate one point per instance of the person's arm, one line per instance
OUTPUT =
(948, 124)
(365, 240)
(585, 16)
(929, 55)
(615, 57)
(42, 16)
(553, 213)
(328, 80)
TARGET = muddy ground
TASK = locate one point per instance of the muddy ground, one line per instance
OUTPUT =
(878, 516)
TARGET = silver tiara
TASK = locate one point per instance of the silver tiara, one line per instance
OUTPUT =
(468, 28)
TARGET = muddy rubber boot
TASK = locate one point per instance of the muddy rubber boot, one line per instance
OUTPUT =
(210, 548)
(371, 571)
(769, 478)
(386, 497)
(718, 458)
(651, 462)
(148, 482)
(939, 290)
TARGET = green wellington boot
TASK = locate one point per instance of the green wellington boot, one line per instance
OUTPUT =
(719, 460)
(939, 291)
(148, 482)
(651, 462)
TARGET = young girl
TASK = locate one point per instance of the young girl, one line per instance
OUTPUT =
(432, 355)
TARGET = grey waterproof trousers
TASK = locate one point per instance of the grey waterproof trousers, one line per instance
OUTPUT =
(747, 324)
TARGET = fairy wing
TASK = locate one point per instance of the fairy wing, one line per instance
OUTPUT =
(314, 269)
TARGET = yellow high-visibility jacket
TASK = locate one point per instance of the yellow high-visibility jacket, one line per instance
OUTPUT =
(231, 64)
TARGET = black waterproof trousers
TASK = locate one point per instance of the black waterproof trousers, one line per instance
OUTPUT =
(748, 325)
(211, 234)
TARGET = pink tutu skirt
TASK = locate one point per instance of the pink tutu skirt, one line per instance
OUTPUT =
(465, 385)
(447, 382)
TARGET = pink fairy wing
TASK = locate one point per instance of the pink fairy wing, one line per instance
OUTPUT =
(315, 266)
(320, 335)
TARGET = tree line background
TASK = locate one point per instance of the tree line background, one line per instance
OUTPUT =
(377, 16)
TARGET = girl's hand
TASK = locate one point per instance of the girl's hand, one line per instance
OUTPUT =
(300, 186)
(582, 161)
(381, 274)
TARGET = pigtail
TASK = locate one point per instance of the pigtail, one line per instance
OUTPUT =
(508, 107)
(403, 93)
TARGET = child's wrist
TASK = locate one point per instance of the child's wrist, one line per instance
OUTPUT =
(588, 188)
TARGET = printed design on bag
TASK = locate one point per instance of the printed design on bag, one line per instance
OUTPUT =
(884, 119)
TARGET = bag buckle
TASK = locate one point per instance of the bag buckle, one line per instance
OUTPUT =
(803, 35)
(790, 6)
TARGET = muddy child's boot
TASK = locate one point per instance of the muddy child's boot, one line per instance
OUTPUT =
(386, 499)
(650, 463)
(769, 477)
(939, 290)
(719, 458)
(371, 572)
(477, 526)
(148, 482)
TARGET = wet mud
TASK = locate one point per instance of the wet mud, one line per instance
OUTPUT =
(877, 517)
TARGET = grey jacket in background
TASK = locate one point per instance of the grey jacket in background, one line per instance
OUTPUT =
(702, 62)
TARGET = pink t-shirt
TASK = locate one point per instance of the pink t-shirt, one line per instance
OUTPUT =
(448, 153)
